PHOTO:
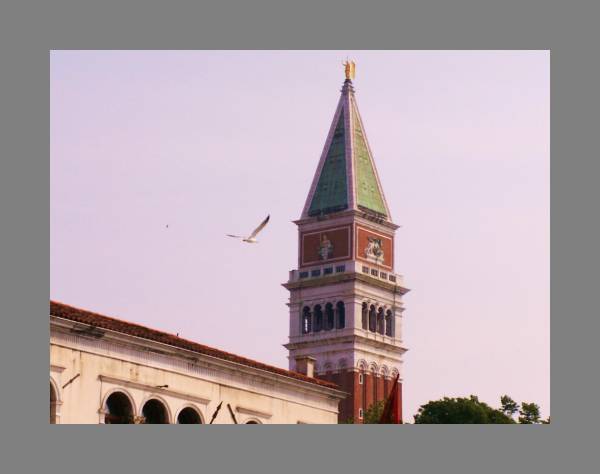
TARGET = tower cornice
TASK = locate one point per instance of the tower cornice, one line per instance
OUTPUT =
(364, 214)
(345, 277)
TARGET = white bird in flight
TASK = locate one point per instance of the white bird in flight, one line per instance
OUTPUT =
(251, 238)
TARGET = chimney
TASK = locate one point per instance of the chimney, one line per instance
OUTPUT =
(306, 365)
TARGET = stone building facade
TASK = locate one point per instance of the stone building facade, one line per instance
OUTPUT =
(105, 370)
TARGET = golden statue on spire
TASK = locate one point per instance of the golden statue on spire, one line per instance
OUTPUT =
(349, 68)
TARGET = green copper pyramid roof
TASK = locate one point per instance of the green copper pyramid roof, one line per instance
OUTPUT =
(368, 194)
(331, 194)
(346, 177)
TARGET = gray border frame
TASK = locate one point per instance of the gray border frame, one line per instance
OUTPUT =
(28, 30)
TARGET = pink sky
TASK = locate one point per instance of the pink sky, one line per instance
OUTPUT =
(209, 142)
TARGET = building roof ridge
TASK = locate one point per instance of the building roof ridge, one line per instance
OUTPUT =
(84, 316)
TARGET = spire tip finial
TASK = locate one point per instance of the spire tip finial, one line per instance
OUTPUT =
(349, 69)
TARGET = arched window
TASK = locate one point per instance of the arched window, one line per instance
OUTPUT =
(252, 422)
(389, 321)
(189, 416)
(341, 315)
(380, 321)
(53, 402)
(318, 315)
(372, 319)
(306, 320)
(329, 317)
(119, 410)
(155, 412)
(365, 316)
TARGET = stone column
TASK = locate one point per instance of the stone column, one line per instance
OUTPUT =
(353, 313)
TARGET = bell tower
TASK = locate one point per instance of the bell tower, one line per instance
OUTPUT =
(345, 297)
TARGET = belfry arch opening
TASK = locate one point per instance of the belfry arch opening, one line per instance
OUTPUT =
(318, 318)
(306, 320)
(341, 314)
(372, 319)
(380, 321)
(329, 317)
(389, 322)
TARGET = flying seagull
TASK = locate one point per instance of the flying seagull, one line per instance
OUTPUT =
(251, 238)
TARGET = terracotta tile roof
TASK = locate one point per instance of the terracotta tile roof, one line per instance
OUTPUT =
(71, 313)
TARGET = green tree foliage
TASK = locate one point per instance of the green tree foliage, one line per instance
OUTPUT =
(460, 411)
(464, 411)
(372, 415)
(530, 414)
(471, 410)
(509, 406)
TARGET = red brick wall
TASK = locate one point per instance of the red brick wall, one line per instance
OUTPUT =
(348, 382)
(380, 392)
(369, 391)
(361, 396)
(400, 400)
